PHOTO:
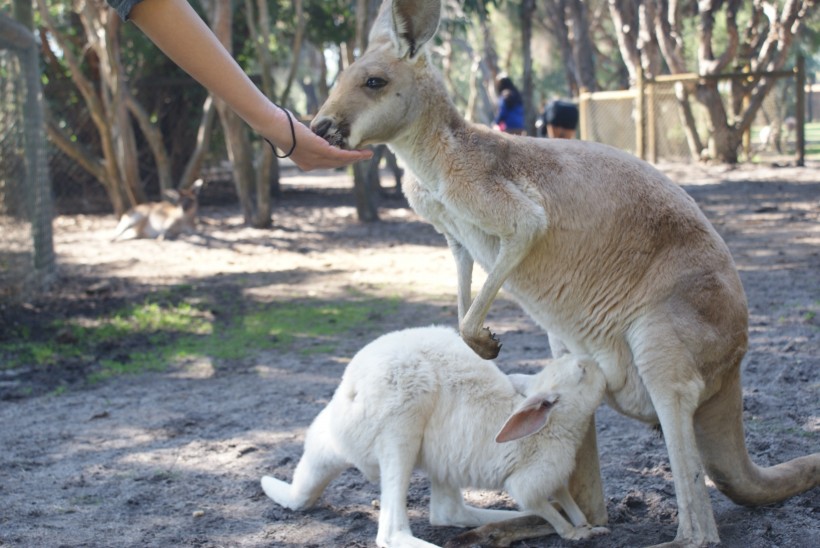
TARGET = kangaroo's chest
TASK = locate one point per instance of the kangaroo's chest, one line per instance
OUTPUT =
(427, 201)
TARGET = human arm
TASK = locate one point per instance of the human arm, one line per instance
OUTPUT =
(182, 35)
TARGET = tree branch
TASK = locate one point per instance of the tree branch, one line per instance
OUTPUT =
(76, 152)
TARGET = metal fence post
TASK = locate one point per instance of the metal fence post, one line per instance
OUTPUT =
(32, 263)
(800, 110)
(640, 122)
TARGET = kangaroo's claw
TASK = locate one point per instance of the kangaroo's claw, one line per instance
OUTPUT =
(486, 344)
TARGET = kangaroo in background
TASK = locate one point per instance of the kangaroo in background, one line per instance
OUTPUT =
(422, 398)
(161, 220)
(604, 252)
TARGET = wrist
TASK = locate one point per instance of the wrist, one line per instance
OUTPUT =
(286, 152)
(274, 124)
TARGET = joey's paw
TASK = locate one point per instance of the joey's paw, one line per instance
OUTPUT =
(486, 344)
(598, 531)
(585, 531)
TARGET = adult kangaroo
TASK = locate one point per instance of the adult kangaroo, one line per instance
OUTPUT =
(609, 256)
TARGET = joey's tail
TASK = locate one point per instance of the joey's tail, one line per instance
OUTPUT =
(719, 428)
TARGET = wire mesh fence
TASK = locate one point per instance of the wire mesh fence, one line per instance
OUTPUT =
(661, 120)
(26, 248)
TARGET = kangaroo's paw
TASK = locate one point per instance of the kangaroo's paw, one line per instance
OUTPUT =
(486, 344)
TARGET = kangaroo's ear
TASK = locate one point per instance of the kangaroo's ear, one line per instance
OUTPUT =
(409, 24)
(172, 195)
(528, 419)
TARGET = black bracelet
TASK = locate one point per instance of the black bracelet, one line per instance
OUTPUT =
(292, 134)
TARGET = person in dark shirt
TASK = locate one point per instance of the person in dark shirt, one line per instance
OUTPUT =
(510, 112)
(559, 120)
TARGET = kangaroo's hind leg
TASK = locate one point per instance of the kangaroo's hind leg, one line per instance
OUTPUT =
(671, 377)
(319, 465)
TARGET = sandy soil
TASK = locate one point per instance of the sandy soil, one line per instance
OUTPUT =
(174, 458)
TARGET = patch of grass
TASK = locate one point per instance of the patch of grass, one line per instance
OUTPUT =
(159, 332)
(281, 325)
(16, 354)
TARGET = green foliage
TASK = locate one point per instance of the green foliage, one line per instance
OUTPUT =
(330, 21)
(474, 6)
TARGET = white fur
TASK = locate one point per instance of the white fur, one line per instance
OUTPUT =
(605, 253)
(422, 398)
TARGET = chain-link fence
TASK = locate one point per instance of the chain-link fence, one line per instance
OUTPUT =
(26, 249)
(660, 119)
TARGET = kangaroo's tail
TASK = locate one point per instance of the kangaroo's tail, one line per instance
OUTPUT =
(719, 428)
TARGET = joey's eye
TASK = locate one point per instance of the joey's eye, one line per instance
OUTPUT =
(375, 82)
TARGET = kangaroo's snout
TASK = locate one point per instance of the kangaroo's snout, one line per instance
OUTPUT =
(321, 126)
(331, 131)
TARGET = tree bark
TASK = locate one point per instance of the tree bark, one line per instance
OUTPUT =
(236, 134)
(203, 140)
(527, 12)
(153, 137)
(582, 50)
(365, 176)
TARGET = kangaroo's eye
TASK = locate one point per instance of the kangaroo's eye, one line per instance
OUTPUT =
(375, 82)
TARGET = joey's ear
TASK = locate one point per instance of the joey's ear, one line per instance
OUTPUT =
(520, 382)
(408, 23)
(528, 419)
(172, 195)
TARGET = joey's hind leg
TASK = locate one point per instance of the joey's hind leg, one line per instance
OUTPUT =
(447, 508)
(396, 462)
(319, 465)
(576, 516)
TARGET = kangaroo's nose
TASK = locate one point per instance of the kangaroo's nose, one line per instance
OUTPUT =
(320, 126)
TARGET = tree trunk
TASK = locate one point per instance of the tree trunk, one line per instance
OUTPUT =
(724, 140)
(203, 140)
(125, 140)
(236, 134)
(153, 136)
(527, 12)
(583, 52)
(365, 177)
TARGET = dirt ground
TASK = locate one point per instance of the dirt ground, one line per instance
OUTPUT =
(174, 458)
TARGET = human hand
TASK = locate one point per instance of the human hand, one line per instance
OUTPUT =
(309, 151)
(313, 152)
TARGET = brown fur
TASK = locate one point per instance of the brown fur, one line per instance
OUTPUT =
(161, 220)
(601, 249)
